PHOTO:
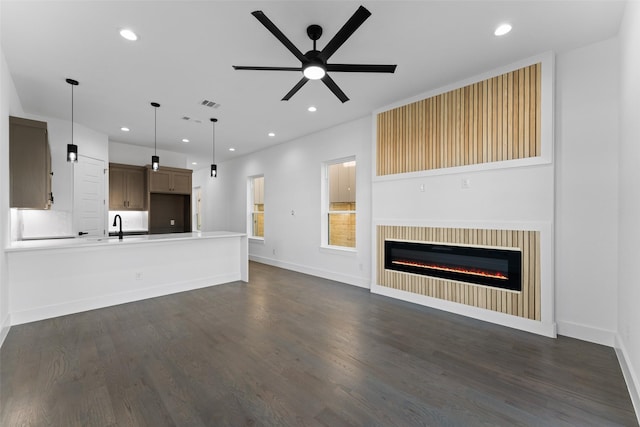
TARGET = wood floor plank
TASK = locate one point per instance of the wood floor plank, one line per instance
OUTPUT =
(288, 349)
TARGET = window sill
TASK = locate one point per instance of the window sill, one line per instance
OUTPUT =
(259, 240)
(339, 250)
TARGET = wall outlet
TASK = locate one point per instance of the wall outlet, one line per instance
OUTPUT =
(421, 188)
(173, 222)
(466, 183)
(274, 251)
(138, 275)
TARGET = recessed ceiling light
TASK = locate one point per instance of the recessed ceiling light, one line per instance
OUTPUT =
(271, 134)
(194, 163)
(232, 149)
(128, 34)
(502, 29)
(185, 140)
(125, 129)
(312, 109)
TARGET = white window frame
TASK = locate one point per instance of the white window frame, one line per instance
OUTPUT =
(324, 206)
(250, 205)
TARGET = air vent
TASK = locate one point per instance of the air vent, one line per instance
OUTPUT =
(210, 104)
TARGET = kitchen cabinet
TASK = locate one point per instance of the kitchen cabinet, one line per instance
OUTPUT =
(127, 187)
(342, 183)
(169, 180)
(29, 164)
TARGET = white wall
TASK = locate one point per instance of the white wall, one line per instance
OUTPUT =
(628, 342)
(9, 105)
(292, 173)
(140, 156)
(496, 196)
(587, 192)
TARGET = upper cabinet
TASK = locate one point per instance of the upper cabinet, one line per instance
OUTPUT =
(29, 164)
(169, 180)
(127, 187)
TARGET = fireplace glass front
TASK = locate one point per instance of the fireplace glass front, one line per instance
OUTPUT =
(488, 266)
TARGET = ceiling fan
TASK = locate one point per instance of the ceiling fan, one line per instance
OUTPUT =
(314, 64)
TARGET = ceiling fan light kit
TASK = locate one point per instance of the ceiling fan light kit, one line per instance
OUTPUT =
(314, 64)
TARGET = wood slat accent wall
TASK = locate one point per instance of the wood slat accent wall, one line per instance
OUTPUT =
(523, 304)
(489, 121)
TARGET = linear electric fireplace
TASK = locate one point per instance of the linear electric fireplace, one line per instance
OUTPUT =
(488, 266)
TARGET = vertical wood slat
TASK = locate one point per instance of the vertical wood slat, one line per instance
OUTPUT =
(523, 304)
(493, 120)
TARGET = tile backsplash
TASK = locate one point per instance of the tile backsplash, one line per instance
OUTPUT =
(40, 224)
(131, 220)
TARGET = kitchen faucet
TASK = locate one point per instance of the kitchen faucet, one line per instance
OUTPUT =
(114, 224)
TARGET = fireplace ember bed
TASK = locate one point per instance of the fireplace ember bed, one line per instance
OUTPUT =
(497, 267)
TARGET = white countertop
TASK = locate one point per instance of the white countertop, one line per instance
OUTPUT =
(79, 242)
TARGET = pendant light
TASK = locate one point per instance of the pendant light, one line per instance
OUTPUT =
(214, 167)
(72, 149)
(155, 160)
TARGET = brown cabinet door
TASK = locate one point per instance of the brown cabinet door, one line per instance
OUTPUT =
(127, 189)
(160, 181)
(117, 189)
(29, 164)
(136, 191)
(181, 183)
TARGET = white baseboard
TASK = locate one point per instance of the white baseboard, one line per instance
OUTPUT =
(47, 312)
(630, 377)
(4, 328)
(586, 333)
(528, 325)
(312, 271)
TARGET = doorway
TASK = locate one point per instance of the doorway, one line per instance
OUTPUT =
(88, 197)
(196, 209)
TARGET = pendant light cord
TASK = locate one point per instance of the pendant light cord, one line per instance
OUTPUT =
(72, 114)
(155, 130)
(214, 143)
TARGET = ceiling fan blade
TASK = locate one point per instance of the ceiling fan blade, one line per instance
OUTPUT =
(361, 68)
(248, 67)
(333, 87)
(345, 32)
(260, 16)
(296, 88)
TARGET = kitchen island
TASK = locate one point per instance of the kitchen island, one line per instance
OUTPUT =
(50, 278)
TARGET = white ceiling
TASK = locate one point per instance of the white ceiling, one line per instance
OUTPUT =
(186, 49)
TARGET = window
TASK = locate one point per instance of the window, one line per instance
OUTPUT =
(255, 224)
(339, 217)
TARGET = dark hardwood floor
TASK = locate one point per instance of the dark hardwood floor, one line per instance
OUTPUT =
(289, 349)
